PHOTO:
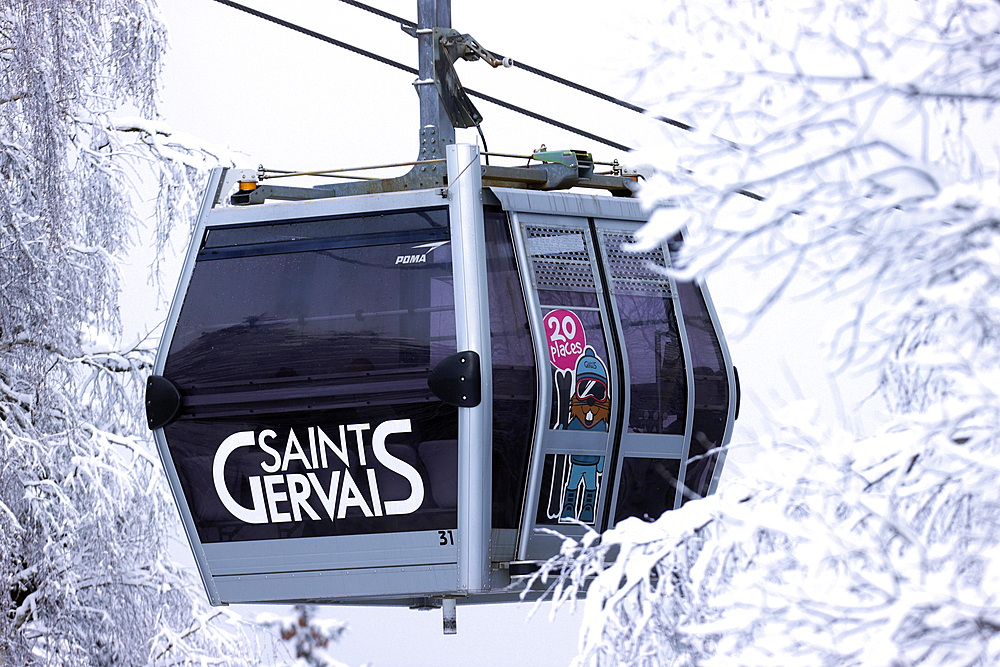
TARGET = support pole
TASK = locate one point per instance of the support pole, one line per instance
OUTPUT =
(436, 130)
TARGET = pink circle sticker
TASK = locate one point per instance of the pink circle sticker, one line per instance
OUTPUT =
(566, 338)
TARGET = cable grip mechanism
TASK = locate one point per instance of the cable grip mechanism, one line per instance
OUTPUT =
(466, 47)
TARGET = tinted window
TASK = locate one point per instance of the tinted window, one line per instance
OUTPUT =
(514, 383)
(375, 469)
(711, 391)
(567, 292)
(307, 313)
(658, 384)
(570, 489)
(304, 374)
(344, 228)
(558, 299)
(647, 489)
(656, 364)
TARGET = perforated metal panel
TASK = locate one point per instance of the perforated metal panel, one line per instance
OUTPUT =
(559, 258)
(632, 272)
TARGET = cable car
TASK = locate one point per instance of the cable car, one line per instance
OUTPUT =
(403, 393)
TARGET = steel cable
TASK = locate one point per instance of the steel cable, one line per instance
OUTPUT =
(566, 82)
(474, 93)
(386, 15)
(415, 72)
(550, 121)
(538, 72)
(319, 36)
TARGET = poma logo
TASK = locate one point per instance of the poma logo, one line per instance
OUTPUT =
(420, 259)
(341, 492)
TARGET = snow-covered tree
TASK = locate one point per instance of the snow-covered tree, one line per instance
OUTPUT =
(306, 635)
(85, 518)
(864, 133)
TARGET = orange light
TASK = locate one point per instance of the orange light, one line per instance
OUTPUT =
(248, 185)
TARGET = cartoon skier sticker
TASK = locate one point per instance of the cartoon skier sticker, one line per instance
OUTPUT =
(590, 405)
(571, 488)
(581, 397)
(581, 401)
(583, 470)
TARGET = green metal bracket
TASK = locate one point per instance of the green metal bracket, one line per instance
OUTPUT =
(579, 160)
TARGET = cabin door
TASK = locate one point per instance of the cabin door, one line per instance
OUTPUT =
(615, 391)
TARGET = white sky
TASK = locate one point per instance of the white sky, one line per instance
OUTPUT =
(292, 102)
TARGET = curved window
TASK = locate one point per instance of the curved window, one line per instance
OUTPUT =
(567, 293)
(515, 386)
(658, 384)
(711, 391)
(648, 488)
(656, 364)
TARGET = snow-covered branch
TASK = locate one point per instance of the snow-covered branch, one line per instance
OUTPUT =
(85, 516)
(12, 98)
(868, 128)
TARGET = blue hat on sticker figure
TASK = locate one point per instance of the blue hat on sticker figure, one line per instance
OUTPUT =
(590, 405)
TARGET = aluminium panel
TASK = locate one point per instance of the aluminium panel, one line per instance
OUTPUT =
(330, 553)
(173, 480)
(404, 582)
(571, 204)
(317, 208)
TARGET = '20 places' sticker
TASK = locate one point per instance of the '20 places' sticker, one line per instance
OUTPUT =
(566, 338)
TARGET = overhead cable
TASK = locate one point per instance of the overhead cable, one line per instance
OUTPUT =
(386, 15)
(566, 82)
(550, 121)
(542, 73)
(488, 98)
(411, 70)
(313, 33)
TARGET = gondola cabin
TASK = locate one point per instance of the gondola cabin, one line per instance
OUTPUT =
(382, 399)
